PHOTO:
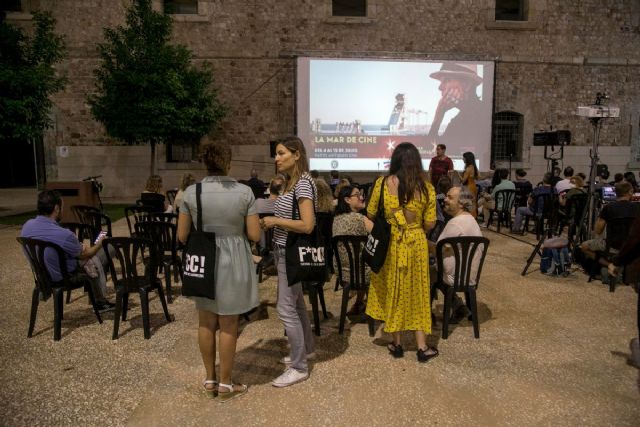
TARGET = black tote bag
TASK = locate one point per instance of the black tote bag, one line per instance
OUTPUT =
(305, 253)
(375, 251)
(199, 259)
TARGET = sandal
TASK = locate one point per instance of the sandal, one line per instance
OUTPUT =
(225, 396)
(395, 350)
(423, 357)
(210, 392)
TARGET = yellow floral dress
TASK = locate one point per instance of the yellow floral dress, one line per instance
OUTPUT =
(399, 294)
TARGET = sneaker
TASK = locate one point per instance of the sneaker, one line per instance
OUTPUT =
(290, 377)
(104, 307)
(287, 360)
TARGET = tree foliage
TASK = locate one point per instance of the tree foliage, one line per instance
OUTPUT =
(28, 78)
(147, 90)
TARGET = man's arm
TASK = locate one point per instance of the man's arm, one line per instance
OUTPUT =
(91, 251)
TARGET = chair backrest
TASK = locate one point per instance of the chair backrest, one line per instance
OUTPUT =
(576, 207)
(618, 231)
(80, 212)
(134, 214)
(99, 222)
(505, 199)
(152, 201)
(464, 250)
(82, 231)
(171, 196)
(160, 216)
(163, 235)
(522, 194)
(353, 246)
(131, 259)
(324, 222)
(543, 205)
(36, 252)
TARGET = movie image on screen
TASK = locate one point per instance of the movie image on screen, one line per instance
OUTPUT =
(351, 113)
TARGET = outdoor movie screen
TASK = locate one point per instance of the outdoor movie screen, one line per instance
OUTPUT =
(351, 113)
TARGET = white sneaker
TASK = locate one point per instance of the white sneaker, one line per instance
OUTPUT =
(290, 377)
(287, 360)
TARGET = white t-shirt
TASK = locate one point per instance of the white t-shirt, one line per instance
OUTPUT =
(460, 225)
(563, 185)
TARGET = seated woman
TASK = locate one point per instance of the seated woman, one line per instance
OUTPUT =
(564, 197)
(325, 198)
(187, 180)
(152, 196)
(348, 221)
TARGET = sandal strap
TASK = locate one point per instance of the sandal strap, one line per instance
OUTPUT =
(229, 387)
(209, 382)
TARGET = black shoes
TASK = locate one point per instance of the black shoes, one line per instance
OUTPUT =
(395, 350)
(106, 306)
(423, 357)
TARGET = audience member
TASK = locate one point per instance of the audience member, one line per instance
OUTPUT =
(336, 191)
(631, 179)
(469, 176)
(291, 159)
(523, 187)
(256, 185)
(325, 198)
(45, 227)
(440, 165)
(348, 221)
(489, 202)
(565, 184)
(267, 206)
(565, 197)
(187, 180)
(335, 180)
(617, 178)
(399, 292)
(555, 178)
(152, 196)
(444, 185)
(314, 174)
(534, 205)
(228, 209)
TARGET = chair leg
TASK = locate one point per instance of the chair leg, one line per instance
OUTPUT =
(144, 305)
(167, 281)
(57, 313)
(120, 299)
(343, 306)
(68, 296)
(372, 325)
(323, 306)
(125, 305)
(474, 312)
(92, 300)
(163, 301)
(313, 299)
(35, 300)
(448, 302)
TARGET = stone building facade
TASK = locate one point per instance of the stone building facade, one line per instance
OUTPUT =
(558, 58)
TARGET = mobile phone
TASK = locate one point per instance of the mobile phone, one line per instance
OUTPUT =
(100, 236)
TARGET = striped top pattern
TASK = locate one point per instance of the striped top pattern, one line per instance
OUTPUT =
(304, 188)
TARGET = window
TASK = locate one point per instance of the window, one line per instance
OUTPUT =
(511, 10)
(181, 153)
(11, 6)
(349, 7)
(507, 136)
(181, 7)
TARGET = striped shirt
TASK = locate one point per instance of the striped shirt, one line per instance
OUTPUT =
(304, 188)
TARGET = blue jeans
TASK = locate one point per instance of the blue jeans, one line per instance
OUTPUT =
(521, 212)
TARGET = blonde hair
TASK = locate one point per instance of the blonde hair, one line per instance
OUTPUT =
(325, 199)
(187, 180)
(295, 145)
(154, 184)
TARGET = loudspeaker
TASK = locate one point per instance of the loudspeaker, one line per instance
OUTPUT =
(557, 137)
(272, 148)
(601, 169)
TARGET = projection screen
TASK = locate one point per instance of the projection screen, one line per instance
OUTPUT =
(351, 113)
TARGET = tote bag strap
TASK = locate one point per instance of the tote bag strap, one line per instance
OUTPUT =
(294, 201)
(199, 206)
(380, 211)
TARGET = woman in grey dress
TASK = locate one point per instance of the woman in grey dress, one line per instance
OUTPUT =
(228, 209)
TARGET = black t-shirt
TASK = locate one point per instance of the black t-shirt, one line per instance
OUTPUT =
(619, 215)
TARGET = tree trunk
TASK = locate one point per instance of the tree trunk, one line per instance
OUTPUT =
(153, 158)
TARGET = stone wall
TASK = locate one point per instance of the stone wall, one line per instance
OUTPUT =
(559, 59)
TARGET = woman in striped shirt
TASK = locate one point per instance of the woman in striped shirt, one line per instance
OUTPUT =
(291, 160)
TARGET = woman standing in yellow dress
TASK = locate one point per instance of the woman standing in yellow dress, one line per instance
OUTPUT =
(399, 295)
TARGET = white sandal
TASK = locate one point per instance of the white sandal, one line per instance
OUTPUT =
(232, 393)
(210, 392)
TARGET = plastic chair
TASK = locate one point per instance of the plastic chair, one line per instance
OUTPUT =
(504, 199)
(171, 196)
(354, 248)
(133, 215)
(575, 211)
(83, 232)
(160, 216)
(99, 222)
(464, 250)
(125, 264)
(80, 212)
(45, 286)
(163, 235)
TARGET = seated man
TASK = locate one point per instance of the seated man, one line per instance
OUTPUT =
(565, 184)
(490, 203)
(45, 227)
(623, 207)
(458, 204)
(534, 207)
(523, 188)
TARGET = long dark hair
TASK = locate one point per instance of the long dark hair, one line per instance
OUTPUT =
(406, 164)
(470, 159)
(294, 144)
(343, 207)
(497, 177)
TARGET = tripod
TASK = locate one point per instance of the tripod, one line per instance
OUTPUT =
(596, 122)
(546, 233)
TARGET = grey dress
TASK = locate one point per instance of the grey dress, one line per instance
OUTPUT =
(225, 204)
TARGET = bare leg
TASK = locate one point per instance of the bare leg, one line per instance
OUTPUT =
(207, 341)
(228, 340)
(396, 338)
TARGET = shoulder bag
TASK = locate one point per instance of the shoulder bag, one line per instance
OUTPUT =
(375, 250)
(305, 253)
(199, 259)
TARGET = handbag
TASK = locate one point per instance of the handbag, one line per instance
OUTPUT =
(375, 250)
(199, 259)
(305, 253)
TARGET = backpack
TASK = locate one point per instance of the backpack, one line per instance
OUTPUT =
(556, 260)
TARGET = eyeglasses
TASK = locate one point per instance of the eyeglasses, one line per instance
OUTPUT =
(357, 195)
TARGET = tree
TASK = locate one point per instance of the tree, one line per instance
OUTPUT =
(28, 78)
(148, 92)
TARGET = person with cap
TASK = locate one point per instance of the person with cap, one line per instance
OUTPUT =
(458, 84)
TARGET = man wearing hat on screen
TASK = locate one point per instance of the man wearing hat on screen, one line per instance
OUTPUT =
(458, 83)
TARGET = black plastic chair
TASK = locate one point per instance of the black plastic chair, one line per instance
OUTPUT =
(45, 286)
(163, 235)
(354, 248)
(83, 232)
(133, 215)
(522, 195)
(152, 201)
(134, 268)
(265, 252)
(160, 216)
(464, 250)
(543, 205)
(504, 199)
(99, 222)
(171, 196)
(573, 217)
